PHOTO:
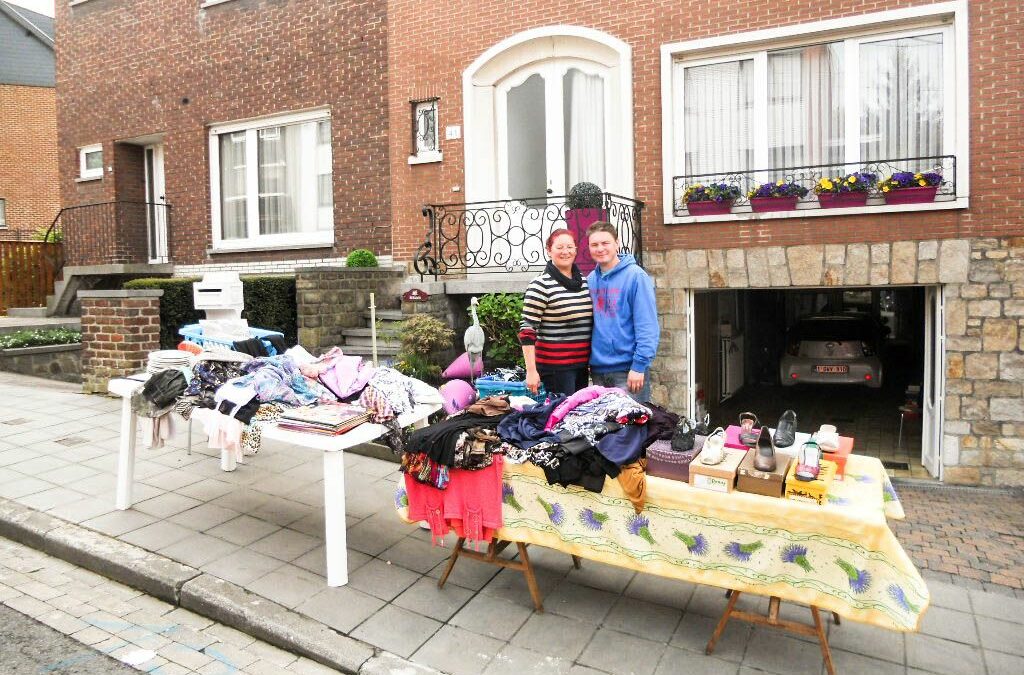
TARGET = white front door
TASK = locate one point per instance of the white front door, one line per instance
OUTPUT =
(934, 381)
(156, 203)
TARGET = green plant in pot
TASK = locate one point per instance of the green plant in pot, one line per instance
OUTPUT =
(584, 205)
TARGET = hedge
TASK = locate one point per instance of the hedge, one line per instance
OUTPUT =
(269, 303)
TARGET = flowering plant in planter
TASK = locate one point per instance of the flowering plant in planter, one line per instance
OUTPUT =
(906, 187)
(711, 199)
(850, 190)
(778, 196)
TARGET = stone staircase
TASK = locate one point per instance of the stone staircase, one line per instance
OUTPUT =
(358, 341)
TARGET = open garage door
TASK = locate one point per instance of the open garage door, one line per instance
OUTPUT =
(934, 381)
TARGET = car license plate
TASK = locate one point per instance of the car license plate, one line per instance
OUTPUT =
(832, 369)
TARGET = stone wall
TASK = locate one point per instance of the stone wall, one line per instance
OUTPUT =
(54, 362)
(119, 330)
(332, 299)
(983, 287)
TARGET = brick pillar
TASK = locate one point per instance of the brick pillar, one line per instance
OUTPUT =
(119, 330)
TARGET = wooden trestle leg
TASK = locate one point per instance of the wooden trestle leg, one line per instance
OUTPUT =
(495, 547)
(773, 620)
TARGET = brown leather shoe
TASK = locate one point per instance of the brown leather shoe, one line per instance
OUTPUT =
(748, 422)
(764, 460)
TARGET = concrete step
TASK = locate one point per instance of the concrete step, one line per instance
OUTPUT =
(386, 315)
(387, 330)
(26, 312)
(15, 324)
(367, 351)
(367, 341)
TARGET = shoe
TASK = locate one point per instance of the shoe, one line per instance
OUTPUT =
(785, 431)
(714, 448)
(764, 460)
(748, 436)
(828, 438)
(809, 461)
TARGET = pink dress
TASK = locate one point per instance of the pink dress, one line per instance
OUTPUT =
(471, 504)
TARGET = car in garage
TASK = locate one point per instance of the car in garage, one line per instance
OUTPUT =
(833, 349)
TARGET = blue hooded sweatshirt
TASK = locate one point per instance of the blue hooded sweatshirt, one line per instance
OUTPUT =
(626, 328)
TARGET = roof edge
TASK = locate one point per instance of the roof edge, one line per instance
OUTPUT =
(26, 23)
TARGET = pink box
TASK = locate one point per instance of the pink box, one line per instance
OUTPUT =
(732, 437)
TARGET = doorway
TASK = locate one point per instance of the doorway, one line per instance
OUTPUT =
(156, 203)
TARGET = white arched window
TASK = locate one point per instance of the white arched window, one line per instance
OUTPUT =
(546, 109)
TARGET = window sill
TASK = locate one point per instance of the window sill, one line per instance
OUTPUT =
(72, 3)
(87, 179)
(211, 3)
(248, 247)
(953, 204)
(425, 158)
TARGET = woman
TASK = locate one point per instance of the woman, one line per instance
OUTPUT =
(557, 320)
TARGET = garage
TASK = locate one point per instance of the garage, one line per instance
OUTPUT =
(867, 360)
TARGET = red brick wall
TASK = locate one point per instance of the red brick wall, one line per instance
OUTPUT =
(118, 333)
(125, 69)
(28, 156)
(427, 55)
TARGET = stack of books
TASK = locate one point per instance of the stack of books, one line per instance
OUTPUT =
(327, 419)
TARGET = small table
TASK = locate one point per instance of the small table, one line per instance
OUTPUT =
(333, 448)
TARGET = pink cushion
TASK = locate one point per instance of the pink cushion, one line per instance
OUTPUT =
(459, 368)
(457, 394)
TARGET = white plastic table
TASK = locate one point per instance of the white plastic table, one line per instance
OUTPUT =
(333, 448)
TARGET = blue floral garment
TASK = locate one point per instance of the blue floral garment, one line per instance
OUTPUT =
(277, 378)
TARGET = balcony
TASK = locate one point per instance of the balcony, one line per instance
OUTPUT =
(118, 233)
(507, 236)
(808, 177)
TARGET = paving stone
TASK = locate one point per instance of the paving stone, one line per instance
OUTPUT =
(872, 641)
(206, 489)
(382, 580)
(288, 585)
(243, 530)
(512, 660)
(342, 608)
(600, 576)
(285, 544)
(847, 662)
(1003, 664)
(997, 607)
(376, 534)
(579, 602)
(198, 550)
(950, 624)
(675, 661)
(558, 636)
(694, 631)
(397, 630)
(157, 536)
(643, 619)
(1001, 636)
(242, 566)
(943, 657)
(119, 522)
(456, 651)
(949, 596)
(709, 601)
(49, 499)
(620, 653)
(427, 599)
(229, 655)
(470, 574)
(494, 617)
(660, 590)
(204, 517)
(415, 555)
(776, 652)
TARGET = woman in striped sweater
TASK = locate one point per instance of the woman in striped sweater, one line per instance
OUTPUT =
(557, 320)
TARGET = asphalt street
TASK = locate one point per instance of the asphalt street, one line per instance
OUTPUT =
(28, 647)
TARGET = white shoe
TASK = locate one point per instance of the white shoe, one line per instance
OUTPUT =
(714, 448)
(828, 438)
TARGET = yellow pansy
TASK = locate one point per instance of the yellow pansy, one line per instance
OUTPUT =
(885, 188)
(851, 179)
(922, 182)
(780, 183)
(826, 183)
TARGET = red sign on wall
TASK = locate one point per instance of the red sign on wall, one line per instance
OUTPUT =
(415, 295)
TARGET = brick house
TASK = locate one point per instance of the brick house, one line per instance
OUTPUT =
(29, 195)
(242, 135)
(504, 107)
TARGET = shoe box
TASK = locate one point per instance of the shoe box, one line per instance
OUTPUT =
(840, 455)
(719, 477)
(813, 491)
(767, 483)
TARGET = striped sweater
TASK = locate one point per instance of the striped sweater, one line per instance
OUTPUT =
(557, 321)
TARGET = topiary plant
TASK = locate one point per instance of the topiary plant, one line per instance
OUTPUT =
(585, 196)
(361, 258)
(424, 338)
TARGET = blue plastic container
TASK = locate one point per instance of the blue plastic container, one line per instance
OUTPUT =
(193, 332)
(491, 386)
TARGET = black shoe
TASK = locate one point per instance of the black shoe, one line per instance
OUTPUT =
(785, 432)
(764, 460)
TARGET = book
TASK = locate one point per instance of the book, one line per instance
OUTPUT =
(329, 419)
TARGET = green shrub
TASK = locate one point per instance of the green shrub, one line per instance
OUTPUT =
(56, 236)
(500, 314)
(425, 340)
(360, 258)
(40, 337)
(269, 303)
(584, 195)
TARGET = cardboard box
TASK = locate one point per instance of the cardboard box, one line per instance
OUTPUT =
(732, 437)
(840, 455)
(769, 484)
(813, 491)
(717, 477)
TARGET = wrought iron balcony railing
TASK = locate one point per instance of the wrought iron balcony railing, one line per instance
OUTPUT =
(508, 235)
(108, 232)
(808, 177)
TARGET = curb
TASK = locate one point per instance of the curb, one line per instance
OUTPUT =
(196, 591)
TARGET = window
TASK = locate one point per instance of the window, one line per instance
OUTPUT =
(426, 145)
(877, 92)
(271, 182)
(3, 213)
(90, 162)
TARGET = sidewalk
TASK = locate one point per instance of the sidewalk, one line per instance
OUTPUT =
(261, 527)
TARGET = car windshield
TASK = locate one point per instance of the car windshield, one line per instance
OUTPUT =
(839, 330)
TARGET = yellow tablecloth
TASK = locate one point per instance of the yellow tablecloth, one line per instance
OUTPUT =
(841, 556)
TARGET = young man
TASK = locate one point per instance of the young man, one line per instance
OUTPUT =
(626, 332)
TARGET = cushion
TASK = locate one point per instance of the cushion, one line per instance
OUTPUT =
(457, 394)
(459, 368)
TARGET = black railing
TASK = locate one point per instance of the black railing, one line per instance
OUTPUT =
(808, 177)
(119, 232)
(508, 235)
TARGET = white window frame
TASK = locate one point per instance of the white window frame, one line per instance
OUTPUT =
(3, 213)
(426, 156)
(255, 240)
(85, 173)
(950, 18)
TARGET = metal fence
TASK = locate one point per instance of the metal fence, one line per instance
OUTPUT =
(508, 235)
(118, 232)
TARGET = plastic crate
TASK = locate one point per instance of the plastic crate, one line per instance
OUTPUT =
(490, 386)
(194, 333)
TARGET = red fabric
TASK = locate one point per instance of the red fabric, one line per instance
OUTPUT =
(471, 504)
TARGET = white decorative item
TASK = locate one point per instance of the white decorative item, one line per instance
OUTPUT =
(220, 295)
(827, 437)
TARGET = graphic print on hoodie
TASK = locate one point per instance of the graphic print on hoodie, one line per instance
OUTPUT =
(626, 332)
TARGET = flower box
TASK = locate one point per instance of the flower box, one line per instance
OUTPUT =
(765, 204)
(709, 208)
(842, 200)
(911, 195)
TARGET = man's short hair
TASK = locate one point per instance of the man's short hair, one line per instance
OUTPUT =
(602, 226)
